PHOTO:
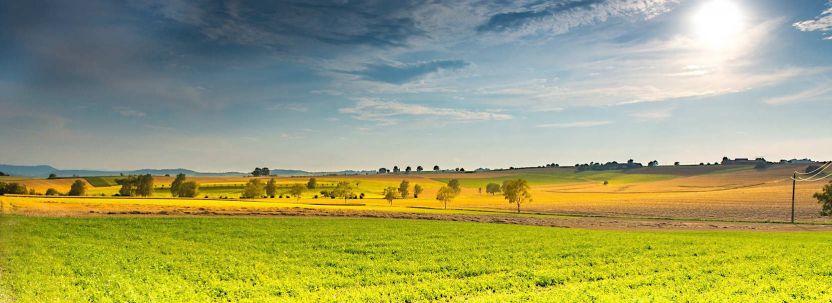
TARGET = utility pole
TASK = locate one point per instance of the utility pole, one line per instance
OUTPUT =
(794, 183)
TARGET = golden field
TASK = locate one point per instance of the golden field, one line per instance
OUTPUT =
(736, 193)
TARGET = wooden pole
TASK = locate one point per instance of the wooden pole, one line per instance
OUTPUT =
(794, 183)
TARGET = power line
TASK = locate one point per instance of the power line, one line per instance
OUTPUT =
(816, 175)
(821, 168)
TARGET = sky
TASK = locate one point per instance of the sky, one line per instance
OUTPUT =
(333, 85)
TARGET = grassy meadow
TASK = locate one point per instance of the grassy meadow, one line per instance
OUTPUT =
(360, 260)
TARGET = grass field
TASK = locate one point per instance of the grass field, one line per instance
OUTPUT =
(361, 260)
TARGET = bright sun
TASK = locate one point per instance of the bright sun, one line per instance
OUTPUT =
(718, 23)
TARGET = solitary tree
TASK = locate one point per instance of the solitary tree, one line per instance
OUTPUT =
(254, 188)
(188, 189)
(453, 184)
(396, 169)
(344, 190)
(78, 188)
(174, 186)
(51, 176)
(517, 192)
(404, 189)
(436, 168)
(296, 191)
(145, 186)
(312, 183)
(390, 194)
(825, 199)
(445, 194)
(419, 168)
(52, 192)
(407, 169)
(271, 188)
(492, 188)
(417, 190)
(258, 172)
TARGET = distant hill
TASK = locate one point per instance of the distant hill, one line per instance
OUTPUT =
(43, 171)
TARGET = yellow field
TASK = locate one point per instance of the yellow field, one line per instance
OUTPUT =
(691, 192)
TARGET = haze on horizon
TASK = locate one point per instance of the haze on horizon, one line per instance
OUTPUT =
(332, 85)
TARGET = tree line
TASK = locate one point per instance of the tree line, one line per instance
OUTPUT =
(515, 191)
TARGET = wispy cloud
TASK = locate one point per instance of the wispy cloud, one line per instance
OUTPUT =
(560, 17)
(284, 25)
(368, 109)
(402, 73)
(577, 124)
(653, 114)
(128, 112)
(807, 95)
(822, 23)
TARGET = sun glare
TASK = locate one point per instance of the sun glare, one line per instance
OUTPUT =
(718, 23)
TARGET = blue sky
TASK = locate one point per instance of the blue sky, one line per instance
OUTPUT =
(330, 85)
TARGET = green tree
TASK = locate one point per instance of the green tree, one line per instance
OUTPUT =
(12, 189)
(312, 183)
(254, 189)
(517, 192)
(417, 190)
(344, 190)
(174, 186)
(271, 188)
(52, 192)
(445, 194)
(404, 189)
(453, 184)
(297, 190)
(144, 187)
(390, 194)
(188, 189)
(825, 199)
(492, 188)
(128, 186)
(78, 188)
(51, 176)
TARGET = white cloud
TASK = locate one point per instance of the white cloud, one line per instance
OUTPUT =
(658, 70)
(807, 95)
(578, 124)
(822, 23)
(369, 109)
(560, 17)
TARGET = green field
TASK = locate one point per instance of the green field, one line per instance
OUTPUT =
(360, 260)
(103, 181)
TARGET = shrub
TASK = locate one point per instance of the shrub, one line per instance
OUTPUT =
(12, 189)
(78, 188)
(189, 189)
(254, 188)
(52, 192)
(825, 199)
